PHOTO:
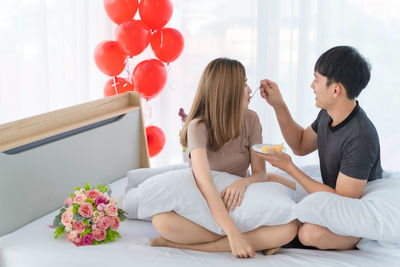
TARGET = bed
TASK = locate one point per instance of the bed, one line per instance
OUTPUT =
(107, 131)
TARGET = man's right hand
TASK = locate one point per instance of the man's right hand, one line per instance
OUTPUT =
(270, 92)
(240, 246)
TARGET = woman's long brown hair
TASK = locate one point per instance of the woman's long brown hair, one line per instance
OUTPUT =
(218, 102)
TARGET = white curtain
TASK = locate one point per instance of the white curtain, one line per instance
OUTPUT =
(47, 58)
(46, 53)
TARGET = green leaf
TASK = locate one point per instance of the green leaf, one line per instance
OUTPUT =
(77, 188)
(87, 231)
(78, 217)
(91, 201)
(75, 209)
(87, 186)
(111, 235)
(67, 205)
(122, 215)
(57, 221)
(102, 188)
(59, 231)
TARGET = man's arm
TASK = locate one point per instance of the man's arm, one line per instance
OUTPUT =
(302, 142)
(345, 185)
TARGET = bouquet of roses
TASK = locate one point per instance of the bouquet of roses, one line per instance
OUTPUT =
(89, 217)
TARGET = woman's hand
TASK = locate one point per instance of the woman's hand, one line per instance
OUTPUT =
(233, 194)
(240, 246)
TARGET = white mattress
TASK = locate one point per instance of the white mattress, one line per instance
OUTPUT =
(34, 245)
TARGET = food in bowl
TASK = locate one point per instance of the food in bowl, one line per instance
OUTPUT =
(278, 148)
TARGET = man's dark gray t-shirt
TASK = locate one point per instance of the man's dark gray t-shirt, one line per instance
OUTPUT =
(351, 147)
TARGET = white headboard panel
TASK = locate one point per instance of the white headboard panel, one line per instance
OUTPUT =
(45, 157)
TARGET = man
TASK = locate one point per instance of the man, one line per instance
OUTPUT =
(347, 141)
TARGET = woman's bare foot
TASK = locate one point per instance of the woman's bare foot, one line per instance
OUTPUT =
(159, 242)
(270, 251)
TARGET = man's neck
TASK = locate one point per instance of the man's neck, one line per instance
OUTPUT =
(341, 111)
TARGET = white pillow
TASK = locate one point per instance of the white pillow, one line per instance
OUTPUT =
(375, 216)
(265, 203)
(138, 176)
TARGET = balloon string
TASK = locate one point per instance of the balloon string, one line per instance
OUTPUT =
(168, 68)
(171, 87)
(115, 85)
(127, 68)
(148, 108)
(162, 38)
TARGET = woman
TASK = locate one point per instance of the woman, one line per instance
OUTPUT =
(219, 133)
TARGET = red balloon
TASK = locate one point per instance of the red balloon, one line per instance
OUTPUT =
(155, 140)
(120, 10)
(133, 36)
(167, 44)
(116, 86)
(149, 77)
(155, 13)
(109, 58)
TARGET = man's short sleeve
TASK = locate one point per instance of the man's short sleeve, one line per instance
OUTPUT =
(196, 135)
(358, 157)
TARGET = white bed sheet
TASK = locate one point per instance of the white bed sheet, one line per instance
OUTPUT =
(34, 245)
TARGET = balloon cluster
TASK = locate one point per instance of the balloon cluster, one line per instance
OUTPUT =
(132, 37)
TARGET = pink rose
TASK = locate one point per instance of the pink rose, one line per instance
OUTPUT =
(96, 216)
(79, 227)
(93, 194)
(101, 207)
(68, 201)
(72, 236)
(99, 234)
(78, 240)
(87, 239)
(112, 210)
(100, 199)
(86, 210)
(66, 218)
(98, 213)
(68, 227)
(114, 223)
(79, 199)
(103, 223)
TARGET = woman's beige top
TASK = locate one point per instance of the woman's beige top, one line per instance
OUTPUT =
(234, 156)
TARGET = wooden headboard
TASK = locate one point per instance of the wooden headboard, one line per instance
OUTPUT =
(43, 158)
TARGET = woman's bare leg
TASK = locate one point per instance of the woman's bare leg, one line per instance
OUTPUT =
(178, 229)
(262, 238)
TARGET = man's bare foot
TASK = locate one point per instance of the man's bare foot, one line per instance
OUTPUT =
(159, 242)
(270, 251)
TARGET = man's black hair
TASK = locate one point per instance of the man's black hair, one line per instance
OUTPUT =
(343, 64)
